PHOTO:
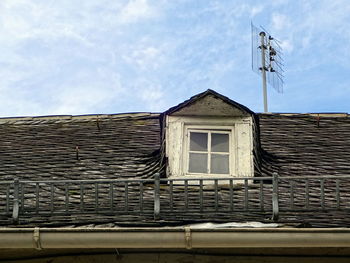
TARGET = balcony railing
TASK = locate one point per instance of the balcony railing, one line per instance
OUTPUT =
(158, 196)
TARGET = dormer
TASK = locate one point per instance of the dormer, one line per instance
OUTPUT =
(209, 135)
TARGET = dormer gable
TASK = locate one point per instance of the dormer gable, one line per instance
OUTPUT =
(209, 103)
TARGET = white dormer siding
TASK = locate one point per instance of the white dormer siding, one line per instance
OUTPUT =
(214, 134)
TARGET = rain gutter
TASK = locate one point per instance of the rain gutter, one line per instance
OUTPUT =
(60, 238)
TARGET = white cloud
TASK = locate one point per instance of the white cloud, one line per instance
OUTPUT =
(81, 95)
(255, 10)
(25, 20)
(135, 10)
(151, 94)
(280, 22)
(277, 3)
(145, 57)
(287, 46)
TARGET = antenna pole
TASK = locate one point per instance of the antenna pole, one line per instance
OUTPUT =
(263, 68)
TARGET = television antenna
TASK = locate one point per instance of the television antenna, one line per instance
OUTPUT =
(267, 60)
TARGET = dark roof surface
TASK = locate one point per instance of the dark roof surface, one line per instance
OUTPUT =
(306, 144)
(129, 146)
(80, 147)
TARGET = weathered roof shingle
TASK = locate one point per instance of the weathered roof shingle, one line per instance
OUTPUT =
(129, 146)
(82, 147)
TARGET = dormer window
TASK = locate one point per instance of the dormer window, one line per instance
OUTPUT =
(208, 151)
(209, 135)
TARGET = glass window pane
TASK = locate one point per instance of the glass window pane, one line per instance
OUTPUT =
(219, 164)
(219, 142)
(198, 163)
(198, 141)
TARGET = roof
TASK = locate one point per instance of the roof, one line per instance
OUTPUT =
(79, 147)
(204, 94)
(130, 145)
(306, 144)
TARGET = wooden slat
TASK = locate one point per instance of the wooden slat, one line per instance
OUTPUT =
(111, 196)
(82, 205)
(246, 195)
(201, 195)
(231, 196)
(261, 195)
(66, 197)
(126, 196)
(216, 195)
(37, 197)
(337, 192)
(171, 194)
(52, 197)
(291, 183)
(307, 194)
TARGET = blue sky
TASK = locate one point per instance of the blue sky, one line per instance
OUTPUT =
(99, 56)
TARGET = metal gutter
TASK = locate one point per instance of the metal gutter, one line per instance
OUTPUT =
(185, 237)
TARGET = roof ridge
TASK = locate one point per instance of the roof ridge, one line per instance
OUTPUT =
(201, 95)
(54, 118)
(311, 114)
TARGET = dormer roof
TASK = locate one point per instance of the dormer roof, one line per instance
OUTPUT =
(209, 103)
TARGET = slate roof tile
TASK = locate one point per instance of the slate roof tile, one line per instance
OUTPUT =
(129, 146)
(305, 145)
(108, 147)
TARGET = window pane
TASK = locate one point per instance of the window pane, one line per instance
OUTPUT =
(219, 142)
(198, 163)
(219, 164)
(198, 141)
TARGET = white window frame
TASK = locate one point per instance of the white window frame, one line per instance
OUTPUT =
(208, 129)
(241, 157)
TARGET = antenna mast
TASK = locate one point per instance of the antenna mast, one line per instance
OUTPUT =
(263, 68)
(271, 65)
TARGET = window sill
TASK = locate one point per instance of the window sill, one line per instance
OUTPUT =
(207, 179)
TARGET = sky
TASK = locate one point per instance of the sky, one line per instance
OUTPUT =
(112, 56)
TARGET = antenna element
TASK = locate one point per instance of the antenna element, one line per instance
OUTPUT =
(271, 65)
